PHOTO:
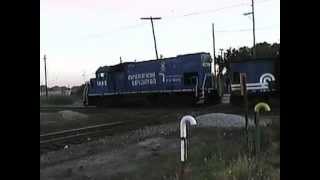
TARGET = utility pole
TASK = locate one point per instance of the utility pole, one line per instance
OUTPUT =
(254, 33)
(154, 37)
(221, 50)
(214, 51)
(253, 29)
(45, 73)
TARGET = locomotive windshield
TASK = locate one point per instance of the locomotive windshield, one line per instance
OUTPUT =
(206, 60)
(102, 75)
(190, 78)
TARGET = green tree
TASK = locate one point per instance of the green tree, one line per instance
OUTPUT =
(263, 50)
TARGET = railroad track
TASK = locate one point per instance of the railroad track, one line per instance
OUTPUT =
(62, 108)
(57, 140)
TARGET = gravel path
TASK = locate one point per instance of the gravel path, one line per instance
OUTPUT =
(72, 115)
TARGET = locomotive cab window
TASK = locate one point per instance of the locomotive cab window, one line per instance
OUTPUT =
(102, 75)
(190, 78)
(236, 78)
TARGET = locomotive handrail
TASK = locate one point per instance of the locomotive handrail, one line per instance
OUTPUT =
(196, 91)
(85, 94)
(203, 84)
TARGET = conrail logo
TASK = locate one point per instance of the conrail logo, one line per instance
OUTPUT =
(265, 78)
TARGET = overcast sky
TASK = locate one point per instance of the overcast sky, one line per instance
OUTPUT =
(78, 36)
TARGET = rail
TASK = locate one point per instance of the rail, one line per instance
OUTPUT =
(196, 88)
(60, 108)
(72, 133)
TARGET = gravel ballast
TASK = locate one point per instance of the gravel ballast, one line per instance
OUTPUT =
(222, 120)
(72, 115)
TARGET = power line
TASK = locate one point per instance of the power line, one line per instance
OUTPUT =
(213, 10)
(168, 18)
(98, 35)
(249, 29)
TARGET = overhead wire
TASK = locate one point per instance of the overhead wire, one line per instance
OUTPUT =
(98, 35)
(195, 13)
(250, 29)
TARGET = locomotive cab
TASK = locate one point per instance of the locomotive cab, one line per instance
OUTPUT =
(102, 77)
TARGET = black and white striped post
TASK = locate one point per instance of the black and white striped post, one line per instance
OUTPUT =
(184, 140)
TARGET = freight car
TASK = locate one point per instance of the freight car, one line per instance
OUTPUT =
(185, 79)
(261, 77)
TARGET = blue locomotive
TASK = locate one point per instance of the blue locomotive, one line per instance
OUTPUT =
(184, 78)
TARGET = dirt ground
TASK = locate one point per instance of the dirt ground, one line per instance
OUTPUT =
(108, 164)
(55, 121)
(146, 153)
(151, 152)
(111, 156)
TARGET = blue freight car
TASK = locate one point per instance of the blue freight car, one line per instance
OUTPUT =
(187, 77)
(260, 75)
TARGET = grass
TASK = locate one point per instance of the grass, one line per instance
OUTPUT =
(227, 157)
(218, 154)
(57, 100)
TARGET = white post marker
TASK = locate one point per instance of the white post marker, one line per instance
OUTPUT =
(183, 135)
